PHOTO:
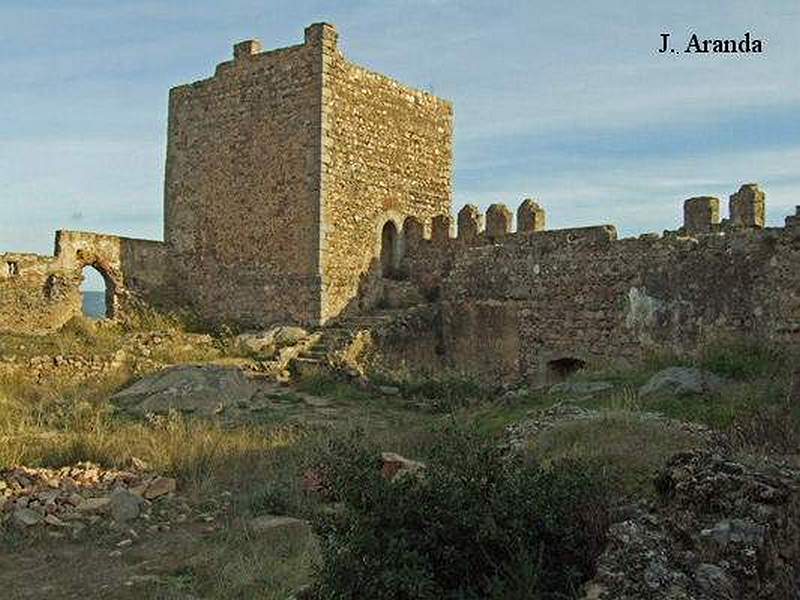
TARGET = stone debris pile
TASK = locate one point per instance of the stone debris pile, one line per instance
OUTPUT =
(74, 496)
(720, 530)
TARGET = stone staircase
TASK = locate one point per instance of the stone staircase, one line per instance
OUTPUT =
(315, 359)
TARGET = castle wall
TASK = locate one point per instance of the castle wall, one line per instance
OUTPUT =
(40, 293)
(387, 155)
(242, 186)
(514, 307)
(36, 296)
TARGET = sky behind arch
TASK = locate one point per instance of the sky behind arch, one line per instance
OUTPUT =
(566, 102)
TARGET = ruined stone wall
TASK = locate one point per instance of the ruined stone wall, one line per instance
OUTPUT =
(511, 309)
(514, 304)
(35, 295)
(40, 293)
(387, 156)
(242, 185)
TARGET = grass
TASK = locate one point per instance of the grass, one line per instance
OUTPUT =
(80, 336)
(626, 448)
(84, 337)
(331, 387)
(58, 422)
(242, 565)
(745, 359)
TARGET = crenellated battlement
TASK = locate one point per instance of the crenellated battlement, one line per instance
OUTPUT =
(300, 187)
(701, 216)
(515, 300)
(746, 210)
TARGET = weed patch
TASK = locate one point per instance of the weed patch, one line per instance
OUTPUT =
(477, 524)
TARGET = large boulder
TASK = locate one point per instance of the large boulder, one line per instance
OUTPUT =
(682, 381)
(270, 341)
(202, 390)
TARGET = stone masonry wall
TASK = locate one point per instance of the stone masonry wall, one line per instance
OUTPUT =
(242, 185)
(35, 294)
(387, 156)
(605, 301)
(512, 308)
(40, 293)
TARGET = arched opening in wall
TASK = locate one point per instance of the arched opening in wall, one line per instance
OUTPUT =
(561, 368)
(390, 250)
(97, 293)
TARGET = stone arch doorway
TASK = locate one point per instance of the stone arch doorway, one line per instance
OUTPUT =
(98, 292)
(390, 250)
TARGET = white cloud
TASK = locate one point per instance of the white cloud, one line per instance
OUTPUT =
(85, 100)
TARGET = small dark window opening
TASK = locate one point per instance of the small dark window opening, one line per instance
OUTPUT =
(13, 268)
(564, 367)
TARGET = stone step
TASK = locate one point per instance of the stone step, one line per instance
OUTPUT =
(307, 367)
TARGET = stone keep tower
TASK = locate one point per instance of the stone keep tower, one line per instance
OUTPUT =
(285, 173)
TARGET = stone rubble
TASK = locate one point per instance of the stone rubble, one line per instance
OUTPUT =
(73, 497)
(720, 530)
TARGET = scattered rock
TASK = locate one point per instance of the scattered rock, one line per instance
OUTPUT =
(25, 517)
(94, 504)
(304, 592)
(288, 335)
(682, 381)
(270, 341)
(395, 466)
(738, 531)
(160, 486)
(124, 505)
(315, 401)
(389, 390)
(54, 521)
(74, 497)
(711, 536)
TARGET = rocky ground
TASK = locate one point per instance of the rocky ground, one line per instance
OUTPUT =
(189, 477)
(719, 529)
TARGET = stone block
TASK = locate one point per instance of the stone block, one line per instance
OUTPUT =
(748, 207)
(530, 216)
(498, 221)
(469, 223)
(246, 48)
(700, 214)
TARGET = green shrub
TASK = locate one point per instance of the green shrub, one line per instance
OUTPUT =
(442, 393)
(271, 498)
(477, 524)
(743, 358)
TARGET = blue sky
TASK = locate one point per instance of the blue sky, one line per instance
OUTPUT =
(567, 102)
